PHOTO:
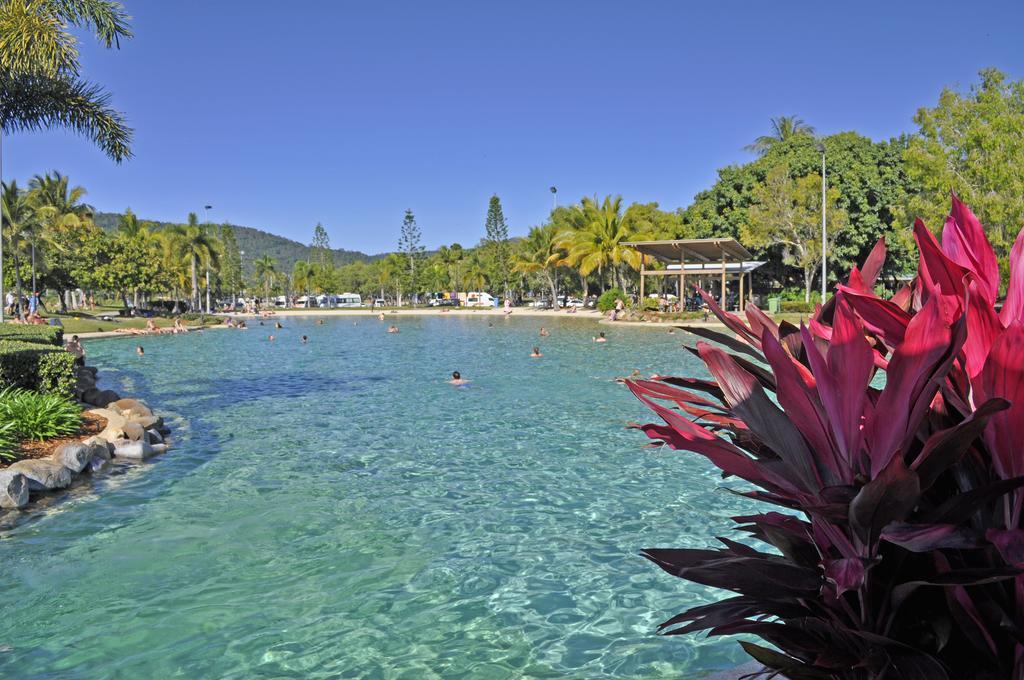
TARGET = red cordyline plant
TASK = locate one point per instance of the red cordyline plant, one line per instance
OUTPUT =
(898, 546)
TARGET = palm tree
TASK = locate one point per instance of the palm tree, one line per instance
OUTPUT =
(194, 244)
(303, 274)
(60, 209)
(595, 240)
(20, 220)
(475, 271)
(40, 85)
(539, 252)
(265, 268)
(783, 128)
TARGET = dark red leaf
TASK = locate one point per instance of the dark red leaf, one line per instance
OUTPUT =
(889, 497)
(928, 537)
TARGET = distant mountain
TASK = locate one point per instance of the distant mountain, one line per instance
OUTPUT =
(254, 243)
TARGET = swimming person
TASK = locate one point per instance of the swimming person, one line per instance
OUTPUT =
(600, 337)
(393, 329)
(536, 353)
(544, 332)
(278, 325)
(380, 317)
(140, 351)
(304, 339)
(457, 379)
(271, 338)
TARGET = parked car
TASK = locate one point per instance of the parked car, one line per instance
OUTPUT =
(542, 303)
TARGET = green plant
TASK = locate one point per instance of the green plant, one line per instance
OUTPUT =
(44, 335)
(8, 440)
(649, 305)
(36, 367)
(899, 549)
(33, 415)
(608, 299)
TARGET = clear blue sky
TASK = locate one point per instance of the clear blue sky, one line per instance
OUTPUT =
(285, 114)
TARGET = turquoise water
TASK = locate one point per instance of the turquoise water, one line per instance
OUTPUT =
(336, 510)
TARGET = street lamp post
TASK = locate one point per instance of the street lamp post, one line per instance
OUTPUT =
(824, 234)
(554, 197)
(241, 278)
(206, 210)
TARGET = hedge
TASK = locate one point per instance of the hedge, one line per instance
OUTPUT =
(797, 306)
(34, 366)
(44, 335)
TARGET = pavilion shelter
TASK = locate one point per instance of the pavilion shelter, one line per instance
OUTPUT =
(703, 260)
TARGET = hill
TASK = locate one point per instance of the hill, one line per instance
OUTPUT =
(254, 243)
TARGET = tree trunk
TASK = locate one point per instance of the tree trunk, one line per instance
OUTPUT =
(553, 282)
(584, 284)
(17, 288)
(195, 284)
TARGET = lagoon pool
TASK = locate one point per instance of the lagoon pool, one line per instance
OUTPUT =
(335, 509)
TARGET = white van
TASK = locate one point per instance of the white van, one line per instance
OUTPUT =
(474, 299)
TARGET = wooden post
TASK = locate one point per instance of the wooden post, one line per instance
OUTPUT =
(682, 282)
(723, 301)
(741, 288)
(643, 270)
(750, 285)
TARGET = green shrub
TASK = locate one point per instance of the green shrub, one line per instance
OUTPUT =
(797, 306)
(37, 367)
(8, 441)
(44, 335)
(608, 298)
(38, 416)
(649, 305)
(193, 316)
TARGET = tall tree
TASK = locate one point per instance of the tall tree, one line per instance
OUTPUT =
(539, 253)
(195, 245)
(265, 268)
(972, 143)
(496, 243)
(231, 261)
(412, 251)
(596, 240)
(322, 273)
(783, 128)
(20, 220)
(787, 215)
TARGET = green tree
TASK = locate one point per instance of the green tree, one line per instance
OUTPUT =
(596, 240)
(302, 276)
(496, 246)
(265, 268)
(40, 82)
(196, 246)
(783, 129)
(322, 272)
(972, 143)
(787, 215)
(412, 251)
(21, 220)
(231, 261)
(539, 253)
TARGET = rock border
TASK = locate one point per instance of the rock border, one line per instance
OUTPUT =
(132, 433)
